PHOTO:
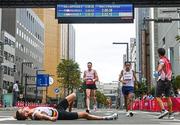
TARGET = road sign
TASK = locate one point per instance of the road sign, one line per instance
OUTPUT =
(51, 80)
(42, 80)
(56, 90)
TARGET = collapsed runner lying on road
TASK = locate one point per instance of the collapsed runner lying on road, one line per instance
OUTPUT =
(58, 113)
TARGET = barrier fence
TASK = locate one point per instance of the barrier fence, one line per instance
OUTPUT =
(152, 105)
(144, 105)
(1, 105)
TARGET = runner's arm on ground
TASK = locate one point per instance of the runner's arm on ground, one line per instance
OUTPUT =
(40, 116)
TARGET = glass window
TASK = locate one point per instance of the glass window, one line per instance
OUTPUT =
(22, 34)
(5, 40)
(12, 72)
(9, 70)
(5, 69)
(16, 44)
(5, 55)
(17, 31)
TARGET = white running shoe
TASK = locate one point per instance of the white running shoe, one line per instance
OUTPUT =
(95, 108)
(163, 113)
(127, 114)
(111, 117)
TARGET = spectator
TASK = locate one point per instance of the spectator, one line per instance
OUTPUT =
(15, 92)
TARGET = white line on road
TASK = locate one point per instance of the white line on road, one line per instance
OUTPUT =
(7, 118)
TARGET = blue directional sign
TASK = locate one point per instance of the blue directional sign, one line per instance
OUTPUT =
(42, 80)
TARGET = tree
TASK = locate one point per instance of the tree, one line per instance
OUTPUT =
(69, 73)
(176, 82)
(101, 98)
(178, 38)
(140, 89)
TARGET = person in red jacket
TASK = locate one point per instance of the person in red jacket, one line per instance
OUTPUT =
(164, 75)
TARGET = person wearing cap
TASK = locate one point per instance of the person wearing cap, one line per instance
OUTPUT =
(127, 77)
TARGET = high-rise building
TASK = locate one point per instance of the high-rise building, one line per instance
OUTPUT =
(68, 41)
(28, 30)
(71, 42)
(167, 33)
(142, 44)
(52, 52)
(59, 44)
(8, 65)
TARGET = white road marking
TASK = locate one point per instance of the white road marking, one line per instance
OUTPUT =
(7, 118)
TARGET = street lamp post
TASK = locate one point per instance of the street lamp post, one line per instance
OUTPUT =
(127, 50)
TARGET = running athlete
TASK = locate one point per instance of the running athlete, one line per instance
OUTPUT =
(90, 77)
(164, 74)
(127, 78)
(58, 113)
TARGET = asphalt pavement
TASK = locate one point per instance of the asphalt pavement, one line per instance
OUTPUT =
(140, 117)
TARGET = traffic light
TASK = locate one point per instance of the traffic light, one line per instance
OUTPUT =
(14, 68)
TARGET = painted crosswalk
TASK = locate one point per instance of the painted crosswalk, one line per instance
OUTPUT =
(6, 118)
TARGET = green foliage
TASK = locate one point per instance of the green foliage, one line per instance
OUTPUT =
(176, 82)
(178, 38)
(153, 91)
(140, 89)
(101, 98)
(68, 73)
(21, 89)
(10, 88)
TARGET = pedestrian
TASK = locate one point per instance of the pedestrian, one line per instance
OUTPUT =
(164, 75)
(127, 77)
(90, 77)
(59, 113)
(15, 92)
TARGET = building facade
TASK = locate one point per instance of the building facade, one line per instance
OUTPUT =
(167, 33)
(71, 42)
(8, 61)
(28, 30)
(52, 52)
(59, 44)
(112, 91)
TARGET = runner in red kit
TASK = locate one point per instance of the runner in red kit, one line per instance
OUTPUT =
(164, 75)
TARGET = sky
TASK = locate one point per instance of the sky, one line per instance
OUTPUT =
(94, 44)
